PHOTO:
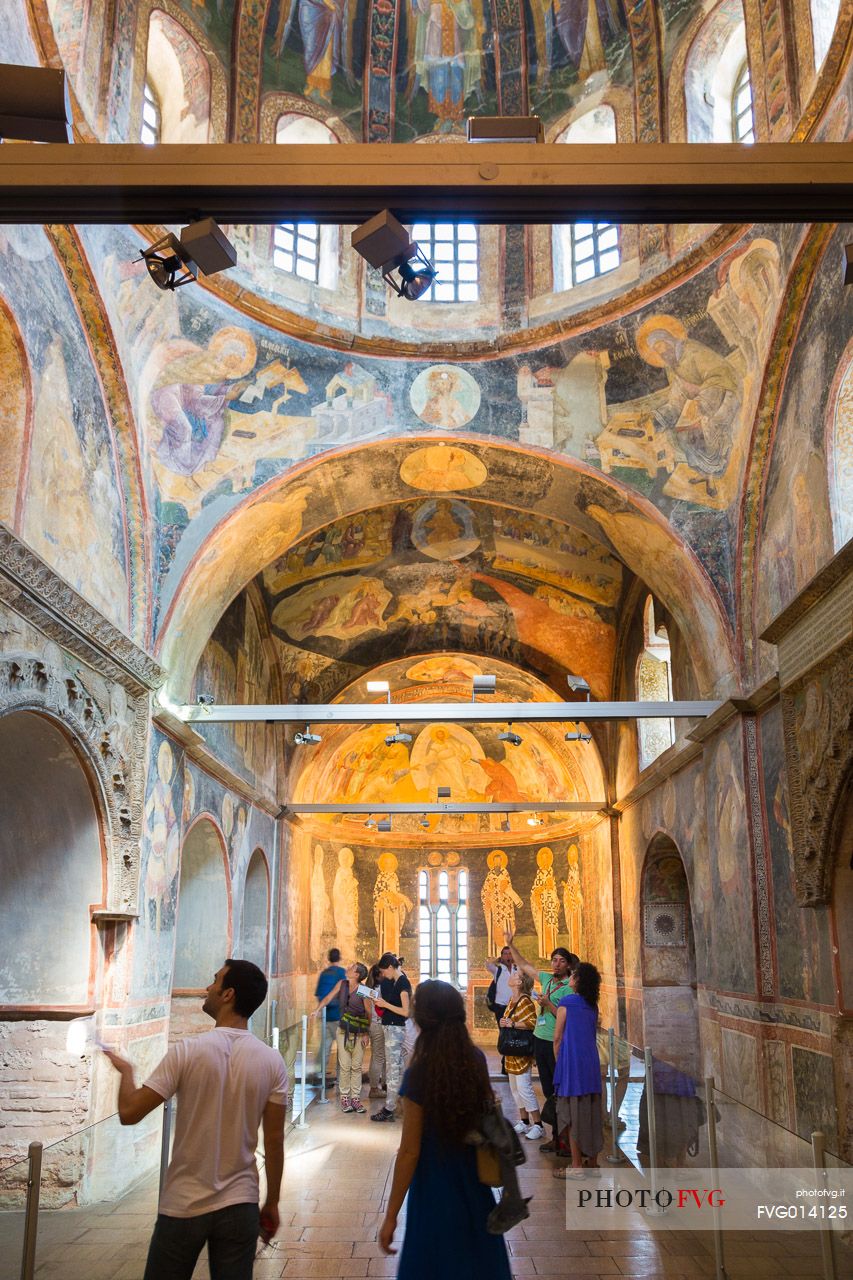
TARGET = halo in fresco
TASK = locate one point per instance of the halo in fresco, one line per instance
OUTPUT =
(445, 530)
(445, 396)
(650, 334)
(442, 469)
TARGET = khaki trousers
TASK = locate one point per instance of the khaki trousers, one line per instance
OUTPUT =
(350, 1059)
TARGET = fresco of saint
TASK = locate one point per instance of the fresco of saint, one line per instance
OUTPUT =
(545, 904)
(447, 56)
(390, 906)
(499, 901)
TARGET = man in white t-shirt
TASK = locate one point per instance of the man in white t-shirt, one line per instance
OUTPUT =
(227, 1083)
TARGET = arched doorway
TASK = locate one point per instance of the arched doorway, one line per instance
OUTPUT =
(203, 929)
(670, 1009)
(253, 936)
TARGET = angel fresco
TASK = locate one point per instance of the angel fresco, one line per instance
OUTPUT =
(447, 55)
(581, 28)
(326, 32)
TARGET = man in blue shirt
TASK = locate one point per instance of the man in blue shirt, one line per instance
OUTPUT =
(328, 978)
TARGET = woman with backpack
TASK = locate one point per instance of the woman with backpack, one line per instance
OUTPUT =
(353, 1034)
(520, 1015)
(446, 1093)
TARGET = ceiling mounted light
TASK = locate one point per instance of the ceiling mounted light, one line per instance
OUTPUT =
(534, 820)
(307, 739)
(505, 823)
(575, 735)
(379, 686)
(397, 737)
(505, 129)
(34, 104)
(371, 821)
(176, 260)
(577, 684)
(384, 242)
(443, 793)
(425, 821)
(384, 824)
(848, 264)
(482, 684)
(509, 736)
(205, 699)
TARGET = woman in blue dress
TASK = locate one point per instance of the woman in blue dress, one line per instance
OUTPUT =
(445, 1093)
(577, 1075)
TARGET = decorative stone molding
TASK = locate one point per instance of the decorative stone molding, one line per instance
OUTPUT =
(39, 594)
(814, 637)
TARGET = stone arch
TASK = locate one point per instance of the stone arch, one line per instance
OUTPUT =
(16, 412)
(55, 877)
(716, 55)
(288, 508)
(108, 734)
(839, 449)
(668, 956)
(253, 933)
(203, 83)
(203, 928)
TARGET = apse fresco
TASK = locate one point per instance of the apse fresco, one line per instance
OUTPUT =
(803, 943)
(61, 441)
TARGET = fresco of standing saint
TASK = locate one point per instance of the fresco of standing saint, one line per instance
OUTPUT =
(499, 901)
(545, 904)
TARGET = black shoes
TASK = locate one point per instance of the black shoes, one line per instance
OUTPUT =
(383, 1114)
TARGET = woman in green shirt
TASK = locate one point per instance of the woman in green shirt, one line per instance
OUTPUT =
(554, 986)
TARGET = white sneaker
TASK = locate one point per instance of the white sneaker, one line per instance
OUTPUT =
(521, 1127)
(534, 1133)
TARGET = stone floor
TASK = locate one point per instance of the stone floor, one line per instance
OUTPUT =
(337, 1178)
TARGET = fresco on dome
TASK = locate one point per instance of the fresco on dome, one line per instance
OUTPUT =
(427, 575)
(803, 942)
(235, 667)
(444, 396)
(71, 513)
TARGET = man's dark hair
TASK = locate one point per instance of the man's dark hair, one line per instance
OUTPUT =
(334, 955)
(248, 984)
(569, 957)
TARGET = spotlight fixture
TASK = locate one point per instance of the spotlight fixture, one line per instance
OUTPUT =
(575, 735)
(848, 258)
(505, 129)
(482, 684)
(384, 242)
(534, 820)
(509, 736)
(443, 793)
(307, 739)
(384, 824)
(205, 699)
(397, 737)
(424, 821)
(380, 686)
(505, 823)
(34, 105)
(577, 684)
(370, 821)
(176, 260)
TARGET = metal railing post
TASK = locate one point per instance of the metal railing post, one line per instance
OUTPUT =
(31, 1216)
(819, 1160)
(276, 1039)
(720, 1263)
(615, 1156)
(322, 1096)
(165, 1137)
(652, 1122)
(301, 1124)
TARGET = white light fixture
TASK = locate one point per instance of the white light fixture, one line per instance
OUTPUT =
(384, 242)
(482, 684)
(509, 736)
(34, 104)
(397, 737)
(425, 821)
(205, 699)
(371, 821)
(443, 793)
(379, 686)
(176, 260)
(575, 735)
(577, 684)
(505, 129)
(534, 820)
(307, 739)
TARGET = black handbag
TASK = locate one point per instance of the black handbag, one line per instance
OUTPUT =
(515, 1042)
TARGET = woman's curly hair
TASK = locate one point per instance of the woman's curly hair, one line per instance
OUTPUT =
(588, 983)
(452, 1079)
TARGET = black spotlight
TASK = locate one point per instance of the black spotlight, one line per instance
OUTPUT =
(384, 242)
(176, 260)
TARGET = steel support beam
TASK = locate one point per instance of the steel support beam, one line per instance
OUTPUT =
(442, 712)
(489, 183)
(449, 806)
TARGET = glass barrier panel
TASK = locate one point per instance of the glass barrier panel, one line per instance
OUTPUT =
(746, 1139)
(679, 1132)
(13, 1198)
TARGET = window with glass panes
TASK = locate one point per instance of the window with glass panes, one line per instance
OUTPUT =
(443, 924)
(149, 132)
(454, 251)
(296, 249)
(593, 250)
(743, 126)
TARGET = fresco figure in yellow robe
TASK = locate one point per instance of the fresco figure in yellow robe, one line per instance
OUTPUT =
(499, 901)
(573, 901)
(390, 905)
(545, 904)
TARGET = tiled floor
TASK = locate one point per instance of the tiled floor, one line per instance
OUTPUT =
(337, 1177)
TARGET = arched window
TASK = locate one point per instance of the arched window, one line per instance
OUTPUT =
(654, 684)
(824, 18)
(177, 82)
(743, 127)
(584, 250)
(151, 119)
(443, 924)
(840, 451)
(305, 249)
(202, 930)
(453, 249)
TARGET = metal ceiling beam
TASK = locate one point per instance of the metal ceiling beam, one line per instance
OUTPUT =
(449, 806)
(490, 183)
(441, 712)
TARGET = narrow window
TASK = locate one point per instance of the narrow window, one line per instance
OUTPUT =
(743, 126)
(443, 925)
(149, 132)
(296, 249)
(654, 684)
(453, 250)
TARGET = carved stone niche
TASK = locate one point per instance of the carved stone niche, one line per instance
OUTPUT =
(814, 637)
